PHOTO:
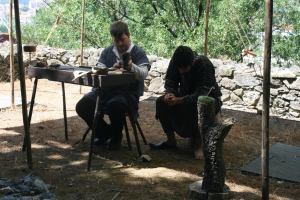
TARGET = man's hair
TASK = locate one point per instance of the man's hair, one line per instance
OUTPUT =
(183, 57)
(118, 28)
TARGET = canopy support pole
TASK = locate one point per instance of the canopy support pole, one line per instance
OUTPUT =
(206, 27)
(22, 85)
(11, 41)
(266, 100)
(82, 36)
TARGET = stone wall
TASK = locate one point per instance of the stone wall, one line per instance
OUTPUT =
(241, 84)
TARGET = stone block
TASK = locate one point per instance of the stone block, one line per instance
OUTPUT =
(289, 97)
(225, 95)
(153, 73)
(156, 85)
(239, 92)
(259, 89)
(275, 83)
(235, 99)
(228, 83)
(282, 74)
(245, 80)
(294, 113)
(218, 78)
(273, 92)
(283, 90)
(295, 105)
(277, 102)
(54, 61)
(225, 71)
(296, 84)
(195, 192)
(152, 58)
(92, 61)
(216, 62)
(251, 98)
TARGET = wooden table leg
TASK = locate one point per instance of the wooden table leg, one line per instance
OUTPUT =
(131, 117)
(31, 108)
(94, 128)
(64, 110)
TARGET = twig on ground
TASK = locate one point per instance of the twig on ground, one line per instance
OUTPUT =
(116, 196)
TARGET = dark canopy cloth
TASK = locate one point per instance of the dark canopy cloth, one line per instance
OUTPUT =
(183, 118)
(117, 93)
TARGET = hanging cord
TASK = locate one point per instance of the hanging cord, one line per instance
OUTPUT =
(55, 24)
(235, 25)
(241, 25)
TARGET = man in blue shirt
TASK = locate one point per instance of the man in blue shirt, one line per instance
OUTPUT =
(113, 99)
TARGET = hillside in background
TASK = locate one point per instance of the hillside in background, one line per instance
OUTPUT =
(25, 2)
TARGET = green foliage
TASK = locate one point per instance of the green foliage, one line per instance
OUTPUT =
(3, 29)
(160, 26)
(286, 42)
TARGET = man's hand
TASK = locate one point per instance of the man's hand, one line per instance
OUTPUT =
(117, 66)
(171, 100)
(128, 67)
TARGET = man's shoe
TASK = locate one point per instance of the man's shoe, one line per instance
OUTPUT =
(161, 145)
(98, 142)
(112, 145)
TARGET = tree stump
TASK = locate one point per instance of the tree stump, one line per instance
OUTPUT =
(213, 134)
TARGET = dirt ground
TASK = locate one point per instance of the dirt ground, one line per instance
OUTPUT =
(62, 164)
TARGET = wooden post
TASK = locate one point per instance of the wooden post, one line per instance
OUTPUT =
(22, 84)
(206, 27)
(266, 100)
(82, 36)
(11, 41)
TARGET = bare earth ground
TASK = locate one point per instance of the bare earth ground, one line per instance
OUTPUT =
(62, 164)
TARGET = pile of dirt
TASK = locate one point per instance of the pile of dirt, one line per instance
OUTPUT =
(116, 174)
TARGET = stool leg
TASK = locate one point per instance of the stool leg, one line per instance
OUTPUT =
(64, 110)
(132, 120)
(31, 108)
(127, 135)
(141, 132)
(85, 134)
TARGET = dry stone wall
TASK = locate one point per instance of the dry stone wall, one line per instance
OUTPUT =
(241, 83)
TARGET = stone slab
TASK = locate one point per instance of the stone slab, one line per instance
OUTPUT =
(196, 192)
(5, 102)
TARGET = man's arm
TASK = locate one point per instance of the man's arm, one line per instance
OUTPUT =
(141, 71)
(172, 79)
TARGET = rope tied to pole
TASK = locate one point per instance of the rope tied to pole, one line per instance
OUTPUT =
(245, 51)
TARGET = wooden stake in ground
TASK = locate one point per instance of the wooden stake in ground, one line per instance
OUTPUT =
(11, 41)
(206, 27)
(82, 35)
(213, 134)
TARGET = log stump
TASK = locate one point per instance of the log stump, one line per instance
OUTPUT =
(213, 134)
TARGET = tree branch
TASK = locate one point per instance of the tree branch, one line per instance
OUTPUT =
(183, 15)
(165, 24)
(200, 8)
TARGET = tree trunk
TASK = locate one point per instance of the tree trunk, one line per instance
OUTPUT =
(213, 134)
